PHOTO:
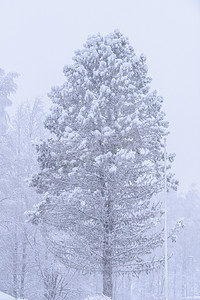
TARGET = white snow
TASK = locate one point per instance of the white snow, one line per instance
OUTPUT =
(124, 154)
(97, 297)
(113, 169)
(4, 296)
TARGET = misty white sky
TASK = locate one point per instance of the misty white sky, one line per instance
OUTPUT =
(37, 38)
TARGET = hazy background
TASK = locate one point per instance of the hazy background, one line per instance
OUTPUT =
(37, 38)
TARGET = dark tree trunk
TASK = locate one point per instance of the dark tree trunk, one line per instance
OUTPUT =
(15, 266)
(23, 268)
(107, 279)
(107, 252)
(107, 243)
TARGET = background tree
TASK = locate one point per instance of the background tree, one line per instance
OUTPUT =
(27, 270)
(19, 157)
(103, 167)
(7, 87)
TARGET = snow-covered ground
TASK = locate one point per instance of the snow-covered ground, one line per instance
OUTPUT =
(97, 297)
(4, 296)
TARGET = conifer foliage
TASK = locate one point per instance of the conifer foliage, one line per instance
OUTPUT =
(7, 87)
(103, 166)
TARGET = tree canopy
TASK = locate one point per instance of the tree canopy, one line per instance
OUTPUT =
(104, 165)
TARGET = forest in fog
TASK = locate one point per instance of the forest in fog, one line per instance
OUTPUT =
(81, 187)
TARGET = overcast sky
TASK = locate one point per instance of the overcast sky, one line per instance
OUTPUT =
(37, 38)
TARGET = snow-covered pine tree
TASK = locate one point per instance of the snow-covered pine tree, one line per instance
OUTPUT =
(7, 87)
(104, 163)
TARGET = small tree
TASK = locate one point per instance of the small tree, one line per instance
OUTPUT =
(104, 164)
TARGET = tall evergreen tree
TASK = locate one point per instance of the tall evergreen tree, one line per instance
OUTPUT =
(7, 87)
(103, 166)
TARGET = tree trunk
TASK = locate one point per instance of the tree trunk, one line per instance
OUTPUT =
(107, 243)
(15, 265)
(107, 253)
(107, 279)
(23, 268)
